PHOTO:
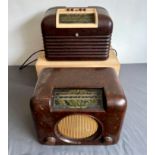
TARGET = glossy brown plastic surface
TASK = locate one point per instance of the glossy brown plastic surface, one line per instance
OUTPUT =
(109, 118)
(63, 43)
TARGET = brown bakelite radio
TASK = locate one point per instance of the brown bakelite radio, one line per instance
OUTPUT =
(78, 106)
(77, 33)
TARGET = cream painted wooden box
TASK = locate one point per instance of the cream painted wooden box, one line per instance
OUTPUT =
(112, 62)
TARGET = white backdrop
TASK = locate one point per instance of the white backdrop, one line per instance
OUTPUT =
(129, 33)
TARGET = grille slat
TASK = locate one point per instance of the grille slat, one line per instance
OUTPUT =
(93, 36)
(77, 47)
(77, 43)
(77, 40)
(78, 50)
(81, 48)
(82, 53)
(77, 55)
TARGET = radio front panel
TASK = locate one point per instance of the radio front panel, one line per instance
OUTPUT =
(77, 33)
(88, 111)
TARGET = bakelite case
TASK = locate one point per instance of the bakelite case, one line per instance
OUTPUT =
(77, 41)
(105, 118)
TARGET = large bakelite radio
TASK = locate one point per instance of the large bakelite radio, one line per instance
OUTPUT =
(77, 33)
(78, 106)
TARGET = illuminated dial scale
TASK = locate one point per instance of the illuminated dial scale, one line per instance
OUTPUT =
(77, 18)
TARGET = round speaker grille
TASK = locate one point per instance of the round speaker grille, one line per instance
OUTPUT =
(77, 126)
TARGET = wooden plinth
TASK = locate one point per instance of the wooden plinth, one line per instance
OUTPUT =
(112, 62)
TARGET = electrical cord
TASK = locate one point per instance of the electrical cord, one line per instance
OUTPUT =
(24, 65)
(114, 51)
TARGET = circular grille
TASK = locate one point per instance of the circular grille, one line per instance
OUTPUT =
(77, 126)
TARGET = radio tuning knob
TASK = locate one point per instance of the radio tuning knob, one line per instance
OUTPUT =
(51, 141)
(108, 139)
(76, 34)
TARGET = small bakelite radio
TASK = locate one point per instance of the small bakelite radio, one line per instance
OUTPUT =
(77, 33)
(78, 106)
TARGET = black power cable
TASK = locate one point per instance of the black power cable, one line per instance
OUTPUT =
(114, 51)
(24, 63)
